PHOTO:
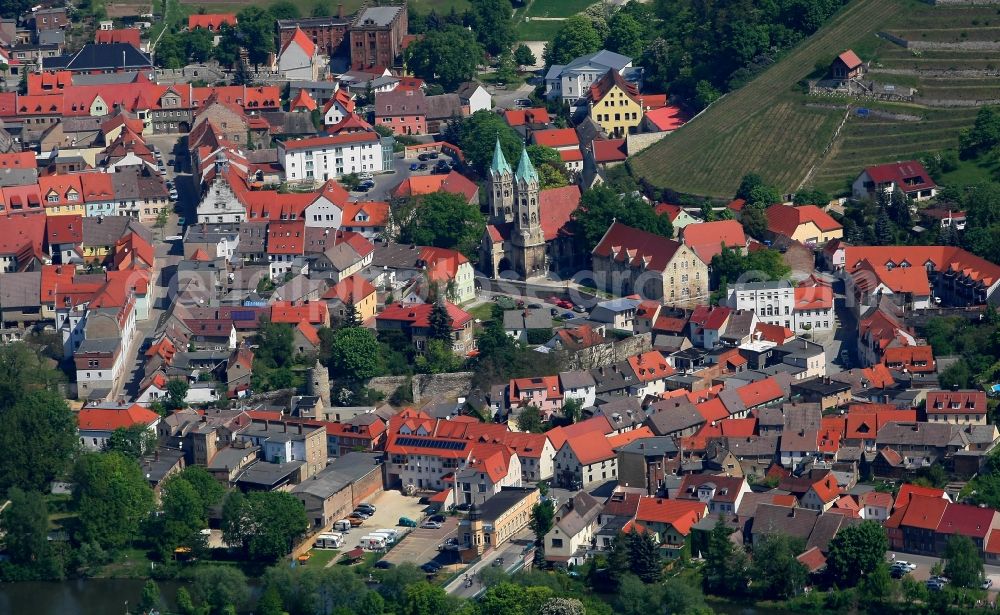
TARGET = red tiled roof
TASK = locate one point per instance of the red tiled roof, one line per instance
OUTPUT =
(309, 332)
(680, 514)
(942, 258)
(64, 229)
(619, 440)
(826, 488)
(571, 155)
(908, 490)
(908, 356)
(555, 208)
(211, 21)
(760, 392)
(785, 219)
(813, 560)
(636, 248)
(877, 499)
(993, 543)
(110, 419)
(707, 238)
(314, 312)
(590, 447)
(22, 231)
(418, 315)
(330, 140)
(924, 512)
(665, 118)
(967, 520)
(353, 286)
(850, 59)
(671, 211)
(956, 402)
(556, 137)
(609, 150)
(774, 333)
(286, 237)
(523, 117)
(610, 79)
(303, 41)
(649, 366)
(118, 35)
(669, 324)
(18, 160)
(302, 101)
(909, 175)
(712, 318)
(813, 298)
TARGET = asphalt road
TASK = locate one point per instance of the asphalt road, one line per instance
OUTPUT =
(925, 563)
(510, 551)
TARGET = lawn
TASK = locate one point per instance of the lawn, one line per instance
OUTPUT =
(350, 6)
(557, 8)
(321, 557)
(483, 312)
(970, 172)
(538, 30)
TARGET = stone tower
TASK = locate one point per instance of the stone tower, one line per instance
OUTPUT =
(476, 530)
(318, 384)
(527, 238)
(501, 188)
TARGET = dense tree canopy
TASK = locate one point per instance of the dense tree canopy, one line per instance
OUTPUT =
(491, 21)
(264, 523)
(766, 264)
(30, 405)
(477, 136)
(447, 57)
(575, 38)
(962, 563)
(444, 220)
(112, 499)
(855, 552)
(602, 205)
(355, 356)
(775, 571)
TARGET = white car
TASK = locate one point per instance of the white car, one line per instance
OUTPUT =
(173, 238)
(904, 564)
(431, 525)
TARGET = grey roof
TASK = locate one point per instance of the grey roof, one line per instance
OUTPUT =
(740, 324)
(468, 88)
(796, 440)
(340, 474)
(585, 509)
(501, 502)
(443, 106)
(109, 344)
(106, 79)
(800, 348)
(793, 522)
(400, 102)
(20, 289)
(769, 285)
(980, 434)
(921, 435)
(826, 527)
(771, 417)
(299, 287)
(529, 318)
(211, 233)
(751, 446)
(672, 415)
(106, 230)
(18, 177)
(396, 256)
(618, 305)
(51, 37)
(576, 379)
(267, 475)
(670, 343)
(311, 22)
(820, 386)
(341, 256)
(602, 58)
(650, 447)
(157, 467)
(100, 57)
(138, 185)
(377, 16)
(800, 416)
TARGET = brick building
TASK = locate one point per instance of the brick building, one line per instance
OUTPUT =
(377, 36)
(327, 33)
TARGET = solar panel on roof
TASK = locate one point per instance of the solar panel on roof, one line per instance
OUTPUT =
(448, 445)
(241, 315)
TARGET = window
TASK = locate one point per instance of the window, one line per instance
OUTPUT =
(557, 543)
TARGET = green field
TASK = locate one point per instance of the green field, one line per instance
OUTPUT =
(767, 128)
(538, 30)
(556, 8)
(350, 6)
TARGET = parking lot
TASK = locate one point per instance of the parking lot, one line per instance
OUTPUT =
(389, 507)
(421, 546)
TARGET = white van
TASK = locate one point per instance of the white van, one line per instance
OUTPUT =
(392, 532)
(342, 526)
(329, 540)
(373, 543)
(389, 538)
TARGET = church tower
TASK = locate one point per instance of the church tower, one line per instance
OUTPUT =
(501, 188)
(527, 237)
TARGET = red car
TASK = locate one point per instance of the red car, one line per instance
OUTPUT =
(563, 303)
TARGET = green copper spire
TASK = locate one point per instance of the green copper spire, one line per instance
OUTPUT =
(499, 165)
(525, 170)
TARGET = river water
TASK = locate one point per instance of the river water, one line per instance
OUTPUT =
(78, 597)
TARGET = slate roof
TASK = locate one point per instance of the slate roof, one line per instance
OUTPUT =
(94, 57)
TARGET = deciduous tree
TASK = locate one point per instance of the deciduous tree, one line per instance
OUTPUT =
(445, 220)
(448, 57)
(855, 552)
(962, 562)
(775, 571)
(575, 38)
(112, 498)
(523, 56)
(133, 441)
(264, 523)
(491, 21)
(356, 355)
(600, 206)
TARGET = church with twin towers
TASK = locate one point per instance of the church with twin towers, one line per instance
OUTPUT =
(524, 220)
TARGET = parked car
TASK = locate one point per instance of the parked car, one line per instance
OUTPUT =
(384, 564)
(423, 157)
(431, 567)
(987, 583)
(438, 518)
(181, 221)
(934, 585)
(522, 103)
(407, 522)
(366, 507)
(904, 564)
(898, 573)
(431, 525)
(414, 166)
(498, 562)
(579, 309)
(358, 515)
(432, 155)
(366, 175)
(463, 507)
(422, 167)
(355, 521)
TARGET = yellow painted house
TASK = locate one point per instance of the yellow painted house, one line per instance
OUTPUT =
(615, 104)
(807, 224)
(62, 195)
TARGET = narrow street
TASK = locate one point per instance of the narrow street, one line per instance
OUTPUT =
(510, 552)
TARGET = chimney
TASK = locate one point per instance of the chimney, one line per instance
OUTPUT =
(340, 10)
